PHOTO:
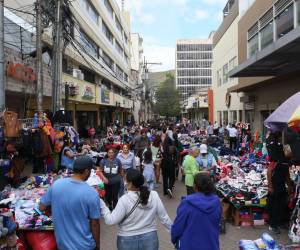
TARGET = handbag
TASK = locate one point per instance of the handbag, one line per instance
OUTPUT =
(131, 211)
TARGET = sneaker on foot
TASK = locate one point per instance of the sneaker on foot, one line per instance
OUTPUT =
(170, 193)
(274, 230)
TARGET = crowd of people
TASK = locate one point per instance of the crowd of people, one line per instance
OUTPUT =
(131, 171)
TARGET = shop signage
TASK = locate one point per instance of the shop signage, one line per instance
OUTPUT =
(88, 93)
(105, 96)
(73, 89)
(20, 72)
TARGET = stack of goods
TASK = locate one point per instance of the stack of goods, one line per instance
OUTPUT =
(243, 183)
(266, 242)
(186, 141)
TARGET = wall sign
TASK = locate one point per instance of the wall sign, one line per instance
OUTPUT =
(105, 96)
(88, 93)
(20, 72)
(73, 89)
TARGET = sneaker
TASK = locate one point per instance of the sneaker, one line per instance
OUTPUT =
(274, 230)
(170, 193)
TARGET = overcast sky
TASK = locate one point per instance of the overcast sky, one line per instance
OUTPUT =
(162, 22)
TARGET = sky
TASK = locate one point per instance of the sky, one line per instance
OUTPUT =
(162, 22)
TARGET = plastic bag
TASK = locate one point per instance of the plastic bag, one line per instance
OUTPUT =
(41, 240)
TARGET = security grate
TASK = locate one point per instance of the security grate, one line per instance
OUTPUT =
(266, 19)
(253, 31)
(281, 5)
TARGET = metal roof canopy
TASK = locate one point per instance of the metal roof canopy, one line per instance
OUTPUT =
(279, 58)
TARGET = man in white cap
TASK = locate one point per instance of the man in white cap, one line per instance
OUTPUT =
(206, 160)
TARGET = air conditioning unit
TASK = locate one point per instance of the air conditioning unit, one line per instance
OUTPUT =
(78, 74)
(81, 76)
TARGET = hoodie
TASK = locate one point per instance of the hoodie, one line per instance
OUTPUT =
(196, 226)
(142, 220)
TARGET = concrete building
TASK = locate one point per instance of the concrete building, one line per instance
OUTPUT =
(227, 107)
(197, 108)
(268, 59)
(193, 66)
(96, 63)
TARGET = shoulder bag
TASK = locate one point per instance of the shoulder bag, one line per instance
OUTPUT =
(131, 211)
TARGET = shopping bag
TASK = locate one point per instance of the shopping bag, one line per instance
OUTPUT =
(41, 240)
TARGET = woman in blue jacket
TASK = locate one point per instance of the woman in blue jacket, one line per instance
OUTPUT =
(196, 226)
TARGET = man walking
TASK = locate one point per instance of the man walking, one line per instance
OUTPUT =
(233, 133)
(75, 209)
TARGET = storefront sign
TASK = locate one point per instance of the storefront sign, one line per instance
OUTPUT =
(105, 96)
(88, 93)
(20, 72)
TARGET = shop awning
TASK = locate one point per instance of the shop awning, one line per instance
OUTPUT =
(279, 58)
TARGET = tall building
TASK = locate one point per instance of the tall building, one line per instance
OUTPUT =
(96, 62)
(193, 66)
(268, 59)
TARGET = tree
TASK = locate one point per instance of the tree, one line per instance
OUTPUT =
(167, 98)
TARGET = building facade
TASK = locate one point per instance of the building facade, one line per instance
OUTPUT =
(227, 107)
(193, 67)
(96, 63)
(268, 61)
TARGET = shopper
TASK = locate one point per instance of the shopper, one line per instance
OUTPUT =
(198, 217)
(168, 166)
(210, 129)
(190, 168)
(141, 143)
(216, 128)
(75, 209)
(68, 155)
(136, 214)
(179, 149)
(148, 169)
(112, 170)
(206, 160)
(278, 178)
(126, 158)
(233, 134)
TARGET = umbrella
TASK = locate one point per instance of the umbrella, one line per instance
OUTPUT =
(294, 122)
(279, 119)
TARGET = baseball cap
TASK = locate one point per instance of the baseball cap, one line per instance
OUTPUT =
(203, 149)
(83, 162)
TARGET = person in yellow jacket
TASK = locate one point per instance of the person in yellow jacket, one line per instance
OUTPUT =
(190, 168)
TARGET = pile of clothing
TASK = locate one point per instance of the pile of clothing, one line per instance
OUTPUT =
(242, 181)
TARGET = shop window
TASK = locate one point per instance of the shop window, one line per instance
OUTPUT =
(266, 35)
(285, 21)
(253, 46)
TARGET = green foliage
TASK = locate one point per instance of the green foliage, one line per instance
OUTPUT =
(167, 98)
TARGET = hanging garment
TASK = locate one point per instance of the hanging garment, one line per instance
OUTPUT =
(11, 124)
(46, 145)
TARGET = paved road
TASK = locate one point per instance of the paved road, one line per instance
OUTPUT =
(229, 241)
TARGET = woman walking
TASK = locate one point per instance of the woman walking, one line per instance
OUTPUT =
(112, 170)
(148, 169)
(136, 214)
(198, 217)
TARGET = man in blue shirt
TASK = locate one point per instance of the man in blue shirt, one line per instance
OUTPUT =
(75, 209)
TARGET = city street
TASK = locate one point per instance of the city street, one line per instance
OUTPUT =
(228, 241)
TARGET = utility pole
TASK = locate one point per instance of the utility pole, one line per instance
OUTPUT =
(2, 62)
(57, 59)
(39, 59)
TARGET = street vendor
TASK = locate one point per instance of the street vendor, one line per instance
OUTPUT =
(206, 160)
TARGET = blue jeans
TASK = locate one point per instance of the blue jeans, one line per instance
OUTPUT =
(147, 241)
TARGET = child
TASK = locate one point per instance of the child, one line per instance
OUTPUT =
(148, 169)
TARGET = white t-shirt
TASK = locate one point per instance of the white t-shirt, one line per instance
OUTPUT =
(143, 218)
(232, 132)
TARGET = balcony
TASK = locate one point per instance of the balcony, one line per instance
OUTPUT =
(273, 42)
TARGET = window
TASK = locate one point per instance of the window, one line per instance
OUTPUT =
(89, 45)
(125, 77)
(93, 14)
(119, 48)
(119, 73)
(126, 59)
(118, 24)
(225, 73)
(232, 65)
(253, 46)
(89, 76)
(125, 38)
(298, 10)
(266, 35)
(107, 32)
(109, 8)
(108, 61)
(285, 21)
(219, 77)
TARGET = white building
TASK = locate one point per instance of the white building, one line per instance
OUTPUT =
(96, 62)
(228, 107)
(193, 66)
